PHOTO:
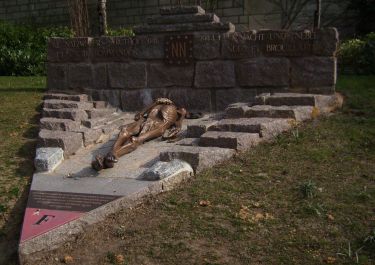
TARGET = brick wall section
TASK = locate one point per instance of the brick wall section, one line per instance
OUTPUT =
(121, 13)
(41, 12)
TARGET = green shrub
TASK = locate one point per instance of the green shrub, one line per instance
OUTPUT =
(121, 32)
(357, 56)
(23, 48)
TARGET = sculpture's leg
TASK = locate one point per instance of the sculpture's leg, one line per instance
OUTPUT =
(152, 134)
(118, 148)
(137, 141)
(125, 136)
(126, 149)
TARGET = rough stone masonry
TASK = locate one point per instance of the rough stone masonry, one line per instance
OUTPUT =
(191, 57)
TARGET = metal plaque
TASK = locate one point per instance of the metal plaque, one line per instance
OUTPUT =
(179, 49)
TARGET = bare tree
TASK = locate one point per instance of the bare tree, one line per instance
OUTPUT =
(290, 10)
(79, 17)
(102, 13)
(318, 13)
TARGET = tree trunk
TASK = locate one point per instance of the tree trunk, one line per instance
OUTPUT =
(102, 12)
(317, 17)
(79, 17)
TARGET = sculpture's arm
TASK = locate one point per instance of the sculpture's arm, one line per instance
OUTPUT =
(173, 132)
(182, 114)
(144, 111)
(159, 101)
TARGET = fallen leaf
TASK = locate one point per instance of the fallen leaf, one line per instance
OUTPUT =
(256, 204)
(204, 203)
(269, 216)
(330, 260)
(258, 217)
(120, 259)
(244, 213)
(315, 113)
(13, 134)
(68, 259)
(262, 175)
(330, 217)
(293, 123)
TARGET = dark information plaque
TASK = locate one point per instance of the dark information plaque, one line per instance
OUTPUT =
(64, 201)
(178, 49)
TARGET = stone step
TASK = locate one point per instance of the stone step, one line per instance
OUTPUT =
(188, 18)
(80, 97)
(55, 124)
(70, 142)
(198, 157)
(90, 136)
(188, 142)
(72, 114)
(236, 110)
(267, 128)
(66, 104)
(234, 140)
(324, 103)
(185, 27)
(100, 104)
(113, 126)
(179, 10)
(100, 113)
(197, 129)
(92, 123)
(287, 99)
(299, 113)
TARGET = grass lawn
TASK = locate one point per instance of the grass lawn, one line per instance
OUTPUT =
(20, 98)
(307, 198)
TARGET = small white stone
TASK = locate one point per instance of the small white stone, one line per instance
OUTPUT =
(161, 170)
(48, 158)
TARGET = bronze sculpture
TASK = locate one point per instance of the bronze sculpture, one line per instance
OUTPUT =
(162, 118)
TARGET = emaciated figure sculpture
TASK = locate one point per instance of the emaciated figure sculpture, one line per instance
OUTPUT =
(162, 118)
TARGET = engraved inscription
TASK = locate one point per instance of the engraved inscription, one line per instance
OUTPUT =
(268, 43)
(68, 201)
(114, 49)
(76, 43)
(179, 50)
(68, 50)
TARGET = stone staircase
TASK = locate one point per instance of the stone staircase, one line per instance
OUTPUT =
(71, 122)
(183, 19)
(245, 125)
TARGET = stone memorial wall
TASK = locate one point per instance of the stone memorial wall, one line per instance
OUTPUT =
(194, 59)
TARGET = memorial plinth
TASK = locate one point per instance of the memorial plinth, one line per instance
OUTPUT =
(191, 57)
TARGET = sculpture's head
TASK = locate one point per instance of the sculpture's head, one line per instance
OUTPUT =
(164, 101)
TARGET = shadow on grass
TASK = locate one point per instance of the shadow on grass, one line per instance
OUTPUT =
(9, 238)
(27, 90)
(10, 232)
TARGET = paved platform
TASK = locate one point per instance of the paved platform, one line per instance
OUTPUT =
(64, 202)
(60, 200)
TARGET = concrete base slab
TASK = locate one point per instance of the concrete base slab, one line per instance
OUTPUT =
(63, 202)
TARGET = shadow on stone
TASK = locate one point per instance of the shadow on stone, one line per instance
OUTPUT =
(87, 172)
